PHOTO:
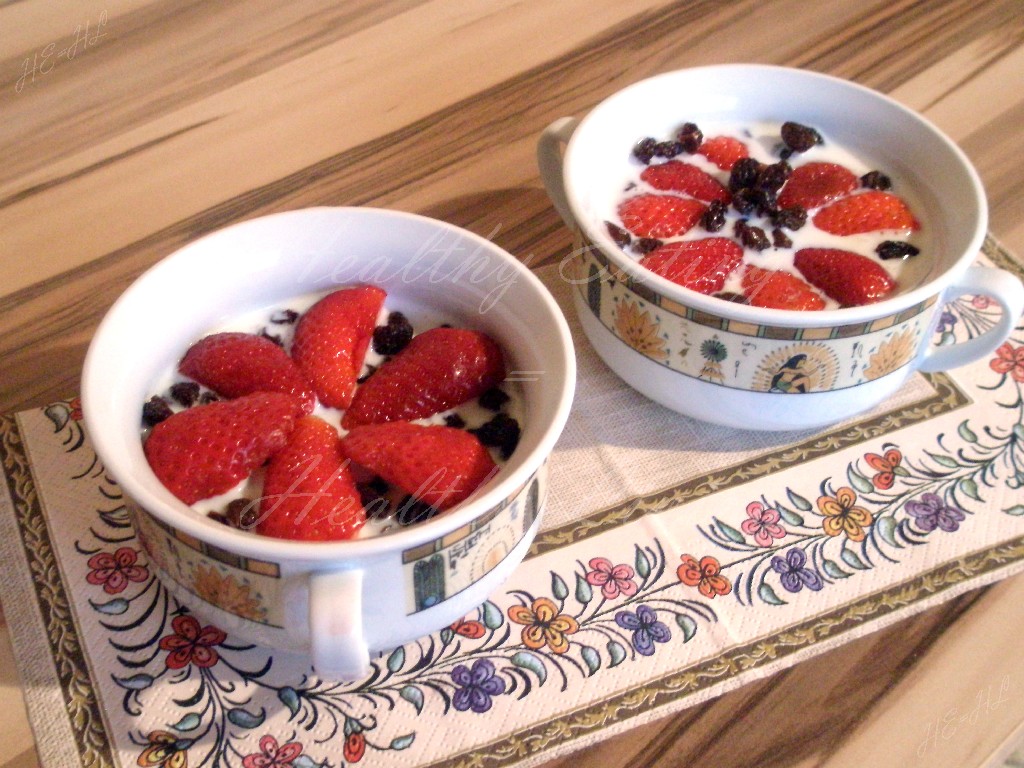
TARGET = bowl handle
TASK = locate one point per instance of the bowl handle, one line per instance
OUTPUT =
(998, 284)
(549, 158)
(338, 647)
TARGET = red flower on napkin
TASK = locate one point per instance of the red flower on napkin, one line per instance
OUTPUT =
(191, 644)
(272, 754)
(1009, 360)
(705, 575)
(886, 466)
(613, 580)
(115, 571)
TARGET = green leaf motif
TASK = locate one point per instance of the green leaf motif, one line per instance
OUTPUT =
(970, 488)
(766, 593)
(642, 564)
(189, 722)
(290, 698)
(832, 569)
(403, 742)
(616, 653)
(1018, 431)
(491, 615)
(447, 635)
(688, 625)
(853, 560)
(584, 593)
(1016, 510)
(798, 501)
(591, 658)
(135, 682)
(558, 587)
(789, 516)
(966, 433)
(413, 695)
(397, 659)
(858, 481)
(729, 532)
(886, 527)
(943, 461)
(529, 661)
(245, 719)
(114, 607)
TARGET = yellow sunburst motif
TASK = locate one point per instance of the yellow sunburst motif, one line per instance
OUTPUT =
(635, 327)
(892, 354)
(227, 593)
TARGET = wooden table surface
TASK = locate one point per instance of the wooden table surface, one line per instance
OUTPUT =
(129, 127)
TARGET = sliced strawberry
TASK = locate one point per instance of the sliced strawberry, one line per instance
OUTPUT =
(777, 289)
(814, 184)
(437, 465)
(331, 340)
(439, 369)
(208, 449)
(235, 364)
(867, 212)
(700, 265)
(849, 278)
(309, 493)
(660, 215)
(676, 176)
(724, 151)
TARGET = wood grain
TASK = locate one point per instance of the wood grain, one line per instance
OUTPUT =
(180, 118)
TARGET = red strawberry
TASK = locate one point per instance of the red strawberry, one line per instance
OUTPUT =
(675, 176)
(331, 340)
(723, 151)
(849, 278)
(437, 465)
(777, 289)
(866, 212)
(660, 215)
(700, 265)
(309, 493)
(234, 364)
(439, 369)
(813, 184)
(208, 449)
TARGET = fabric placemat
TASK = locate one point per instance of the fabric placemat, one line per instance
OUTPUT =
(677, 561)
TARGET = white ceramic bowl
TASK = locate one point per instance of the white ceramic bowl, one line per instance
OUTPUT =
(720, 361)
(338, 600)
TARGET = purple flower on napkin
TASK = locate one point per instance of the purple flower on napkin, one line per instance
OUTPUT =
(793, 573)
(931, 512)
(647, 630)
(476, 686)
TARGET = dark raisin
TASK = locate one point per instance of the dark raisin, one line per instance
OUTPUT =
(411, 511)
(391, 339)
(621, 236)
(155, 410)
(493, 399)
(374, 501)
(644, 149)
(772, 177)
(646, 244)
(790, 218)
(744, 173)
(668, 148)
(780, 239)
(370, 370)
(219, 517)
(875, 180)
(785, 152)
(690, 136)
(501, 432)
(744, 201)
(799, 138)
(185, 392)
(284, 317)
(732, 296)
(454, 421)
(765, 201)
(754, 238)
(896, 249)
(242, 513)
(713, 218)
(208, 397)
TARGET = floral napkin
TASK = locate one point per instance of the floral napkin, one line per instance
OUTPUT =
(677, 560)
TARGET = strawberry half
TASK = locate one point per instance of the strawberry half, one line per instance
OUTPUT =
(437, 465)
(660, 215)
(331, 340)
(867, 212)
(235, 364)
(676, 176)
(308, 492)
(439, 369)
(723, 151)
(208, 449)
(700, 265)
(849, 278)
(777, 289)
(814, 184)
